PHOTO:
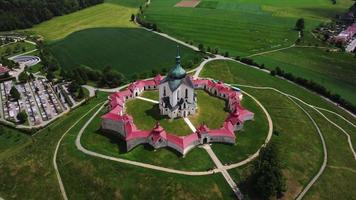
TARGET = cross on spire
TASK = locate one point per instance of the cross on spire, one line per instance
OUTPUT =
(178, 55)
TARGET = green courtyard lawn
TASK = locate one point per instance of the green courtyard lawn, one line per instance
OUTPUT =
(109, 144)
(211, 111)
(248, 140)
(146, 114)
(151, 95)
(127, 50)
(296, 131)
(334, 70)
(239, 26)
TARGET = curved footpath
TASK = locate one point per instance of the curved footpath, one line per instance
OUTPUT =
(311, 106)
(61, 186)
(223, 168)
(325, 152)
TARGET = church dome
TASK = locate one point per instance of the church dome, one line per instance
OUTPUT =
(177, 72)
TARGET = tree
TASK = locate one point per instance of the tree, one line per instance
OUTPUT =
(23, 77)
(50, 75)
(15, 93)
(267, 176)
(22, 116)
(73, 87)
(299, 25)
(201, 47)
(80, 93)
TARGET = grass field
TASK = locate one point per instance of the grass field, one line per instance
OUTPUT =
(11, 141)
(248, 140)
(239, 26)
(296, 131)
(111, 13)
(334, 70)
(128, 50)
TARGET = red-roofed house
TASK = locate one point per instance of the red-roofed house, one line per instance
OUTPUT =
(4, 71)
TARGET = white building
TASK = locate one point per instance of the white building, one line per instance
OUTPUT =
(176, 93)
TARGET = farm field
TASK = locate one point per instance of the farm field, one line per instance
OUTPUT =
(240, 27)
(334, 70)
(128, 50)
(295, 156)
(111, 13)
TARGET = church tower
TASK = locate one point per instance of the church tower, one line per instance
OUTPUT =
(176, 92)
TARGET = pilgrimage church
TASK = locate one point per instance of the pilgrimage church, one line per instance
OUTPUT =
(176, 93)
(176, 99)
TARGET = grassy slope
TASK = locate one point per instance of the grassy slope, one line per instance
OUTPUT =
(295, 128)
(11, 141)
(108, 144)
(111, 13)
(248, 140)
(34, 162)
(128, 50)
(334, 70)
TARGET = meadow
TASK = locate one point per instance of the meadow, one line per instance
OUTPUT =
(240, 27)
(296, 132)
(111, 13)
(334, 70)
(127, 50)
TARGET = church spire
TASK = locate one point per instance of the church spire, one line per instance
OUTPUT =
(178, 55)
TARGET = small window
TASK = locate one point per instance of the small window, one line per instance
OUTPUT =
(186, 92)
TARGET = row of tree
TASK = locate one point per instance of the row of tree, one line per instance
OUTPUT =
(24, 14)
(311, 85)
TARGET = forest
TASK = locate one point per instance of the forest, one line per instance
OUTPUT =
(19, 14)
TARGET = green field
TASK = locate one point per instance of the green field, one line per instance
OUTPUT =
(296, 131)
(248, 140)
(11, 141)
(239, 26)
(334, 70)
(111, 13)
(128, 50)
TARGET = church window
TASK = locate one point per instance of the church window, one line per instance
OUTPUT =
(164, 91)
(186, 92)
